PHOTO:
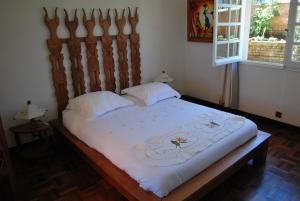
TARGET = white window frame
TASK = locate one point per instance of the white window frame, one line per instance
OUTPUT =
(244, 39)
(288, 63)
(228, 59)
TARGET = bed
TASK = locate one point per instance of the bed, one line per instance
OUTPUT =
(193, 189)
(123, 167)
(122, 140)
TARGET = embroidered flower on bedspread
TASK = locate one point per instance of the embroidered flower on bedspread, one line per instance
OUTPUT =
(212, 124)
(178, 140)
(190, 137)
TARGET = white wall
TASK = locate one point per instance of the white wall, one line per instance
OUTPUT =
(174, 39)
(263, 91)
(25, 69)
(201, 79)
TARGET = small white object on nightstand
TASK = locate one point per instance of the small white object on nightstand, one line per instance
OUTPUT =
(164, 78)
(30, 111)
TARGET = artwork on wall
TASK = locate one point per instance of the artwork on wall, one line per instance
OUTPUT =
(200, 16)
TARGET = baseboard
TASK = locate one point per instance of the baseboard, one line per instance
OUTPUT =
(253, 117)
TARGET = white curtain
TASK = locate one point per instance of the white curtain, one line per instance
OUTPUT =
(230, 86)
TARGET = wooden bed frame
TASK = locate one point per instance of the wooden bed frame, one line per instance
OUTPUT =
(195, 188)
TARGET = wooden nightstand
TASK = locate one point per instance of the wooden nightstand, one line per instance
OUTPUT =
(34, 128)
(7, 178)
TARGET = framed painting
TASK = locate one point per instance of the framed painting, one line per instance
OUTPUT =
(200, 20)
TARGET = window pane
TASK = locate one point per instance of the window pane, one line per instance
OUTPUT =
(235, 15)
(298, 14)
(223, 14)
(222, 33)
(267, 38)
(234, 32)
(297, 34)
(237, 2)
(222, 51)
(223, 1)
(296, 53)
(234, 49)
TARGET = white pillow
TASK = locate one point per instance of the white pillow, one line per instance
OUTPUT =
(73, 122)
(94, 104)
(152, 92)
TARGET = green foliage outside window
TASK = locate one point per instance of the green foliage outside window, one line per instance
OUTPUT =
(262, 16)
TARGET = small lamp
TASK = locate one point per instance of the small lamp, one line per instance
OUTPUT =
(164, 78)
(30, 112)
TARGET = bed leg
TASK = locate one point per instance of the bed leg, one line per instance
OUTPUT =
(260, 158)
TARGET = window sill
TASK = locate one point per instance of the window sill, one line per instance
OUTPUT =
(264, 64)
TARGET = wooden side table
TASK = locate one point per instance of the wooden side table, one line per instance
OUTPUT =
(8, 191)
(34, 128)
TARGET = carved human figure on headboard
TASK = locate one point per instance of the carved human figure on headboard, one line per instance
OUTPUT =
(92, 56)
(135, 48)
(52, 24)
(122, 50)
(107, 52)
(56, 58)
(74, 48)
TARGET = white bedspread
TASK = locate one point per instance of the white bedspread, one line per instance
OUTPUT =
(118, 134)
(184, 141)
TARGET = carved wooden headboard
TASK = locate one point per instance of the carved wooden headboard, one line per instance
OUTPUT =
(74, 44)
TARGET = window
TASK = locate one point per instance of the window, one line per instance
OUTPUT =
(272, 31)
(267, 35)
(229, 26)
(293, 40)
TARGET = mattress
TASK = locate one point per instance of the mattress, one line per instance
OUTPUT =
(117, 134)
